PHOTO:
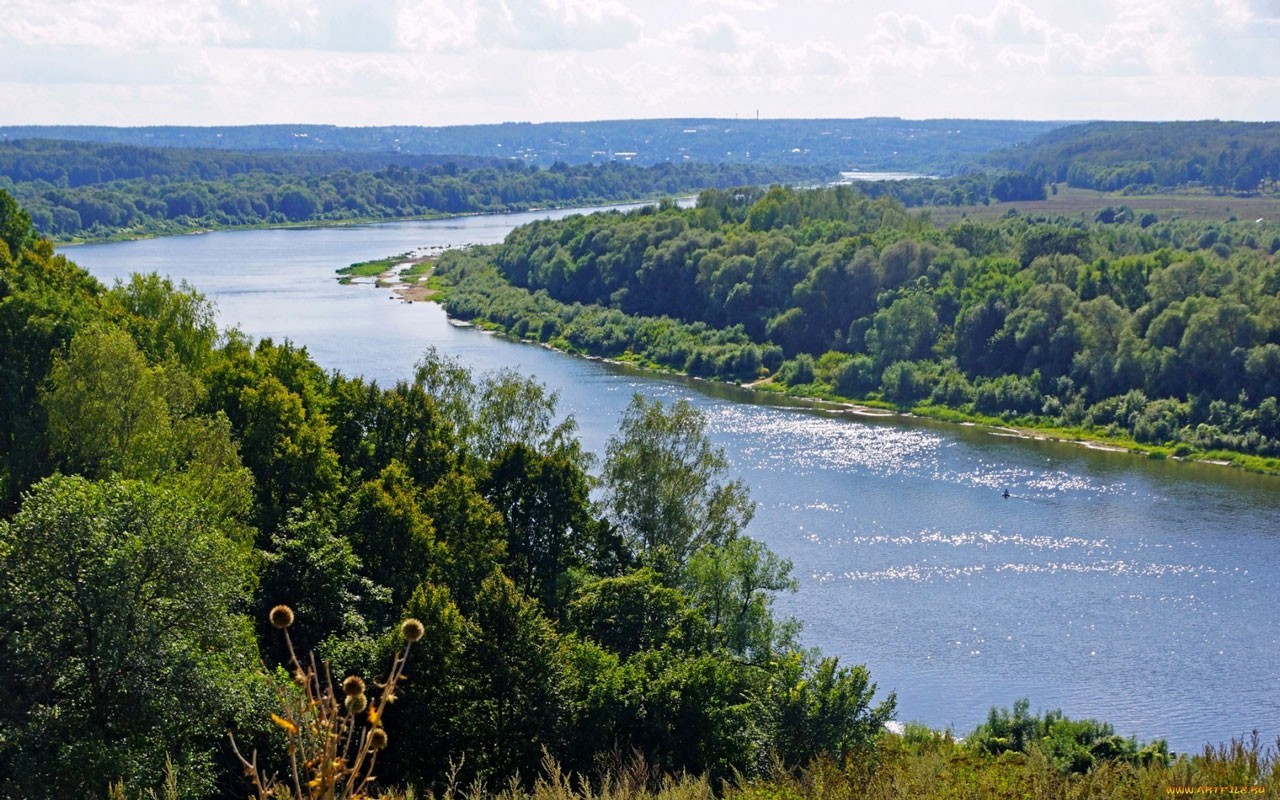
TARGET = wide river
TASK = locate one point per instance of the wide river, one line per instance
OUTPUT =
(1140, 592)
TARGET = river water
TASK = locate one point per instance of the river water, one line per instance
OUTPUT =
(1140, 592)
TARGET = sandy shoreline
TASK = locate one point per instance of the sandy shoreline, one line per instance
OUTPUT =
(409, 291)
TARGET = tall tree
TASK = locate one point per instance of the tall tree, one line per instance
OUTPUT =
(121, 644)
(664, 484)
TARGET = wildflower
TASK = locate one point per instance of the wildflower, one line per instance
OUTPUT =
(374, 717)
(281, 616)
(412, 630)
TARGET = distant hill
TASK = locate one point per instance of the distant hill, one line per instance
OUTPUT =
(924, 146)
(1226, 156)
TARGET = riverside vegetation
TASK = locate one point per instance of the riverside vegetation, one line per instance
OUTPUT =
(82, 191)
(166, 485)
(1158, 334)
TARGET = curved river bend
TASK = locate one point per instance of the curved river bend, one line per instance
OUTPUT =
(1139, 592)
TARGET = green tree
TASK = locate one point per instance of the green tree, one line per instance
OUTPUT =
(106, 407)
(313, 570)
(904, 331)
(511, 409)
(430, 716)
(274, 397)
(663, 486)
(732, 586)
(122, 644)
(450, 384)
(167, 323)
(470, 531)
(393, 537)
(632, 613)
(15, 227)
(373, 427)
(545, 503)
(810, 707)
(512, 683)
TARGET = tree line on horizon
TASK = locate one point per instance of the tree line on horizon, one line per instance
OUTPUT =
(936, 146)
(1242, 157)
(78, 190)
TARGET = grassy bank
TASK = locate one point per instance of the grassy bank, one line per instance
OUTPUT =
(921, 765)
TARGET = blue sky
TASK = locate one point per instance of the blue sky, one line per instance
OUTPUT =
(439, 62)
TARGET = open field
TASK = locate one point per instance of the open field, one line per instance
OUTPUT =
(1085, 203)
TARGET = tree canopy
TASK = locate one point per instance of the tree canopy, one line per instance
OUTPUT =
(1162, 331)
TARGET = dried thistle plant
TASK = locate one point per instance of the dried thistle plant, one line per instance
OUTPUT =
(334, 735)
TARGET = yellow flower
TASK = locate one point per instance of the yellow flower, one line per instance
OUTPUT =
(374, 717)
(288, 726)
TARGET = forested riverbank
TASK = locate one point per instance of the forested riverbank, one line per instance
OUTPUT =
(1155, 333)
(88, 192)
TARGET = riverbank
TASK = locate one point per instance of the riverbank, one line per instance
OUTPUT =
(133, 235)
(196, 230)
(406, 275)
(998, 426)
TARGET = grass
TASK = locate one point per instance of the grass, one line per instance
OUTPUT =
(372, 269)
(417, 270)
(922, 765)
(1199, 205)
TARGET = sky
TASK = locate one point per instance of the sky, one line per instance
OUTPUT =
(449, 62)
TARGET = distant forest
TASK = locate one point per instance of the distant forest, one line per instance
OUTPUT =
(84, 190)
(935, 147)
(1110, 156)
(72, 164)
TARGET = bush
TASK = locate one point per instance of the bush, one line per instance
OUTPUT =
(1072, 746)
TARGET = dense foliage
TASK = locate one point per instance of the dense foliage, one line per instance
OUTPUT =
(72, 164)
(1165, 332)
(968, 189)
(91, 191)
(1226, 156)
(878, 143)
(164, 484)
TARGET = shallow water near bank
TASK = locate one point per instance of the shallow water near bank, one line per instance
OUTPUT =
(1135, 591)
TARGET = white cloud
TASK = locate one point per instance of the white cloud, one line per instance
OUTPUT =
(436, 61)
(741, 5)
(527, 24)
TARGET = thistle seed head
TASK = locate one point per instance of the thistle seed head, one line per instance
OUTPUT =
(412, 630)
(356, 703)
(377, 739)
(281, 616)
(353, 686)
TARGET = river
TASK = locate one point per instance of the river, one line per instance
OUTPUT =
(1140, 592)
